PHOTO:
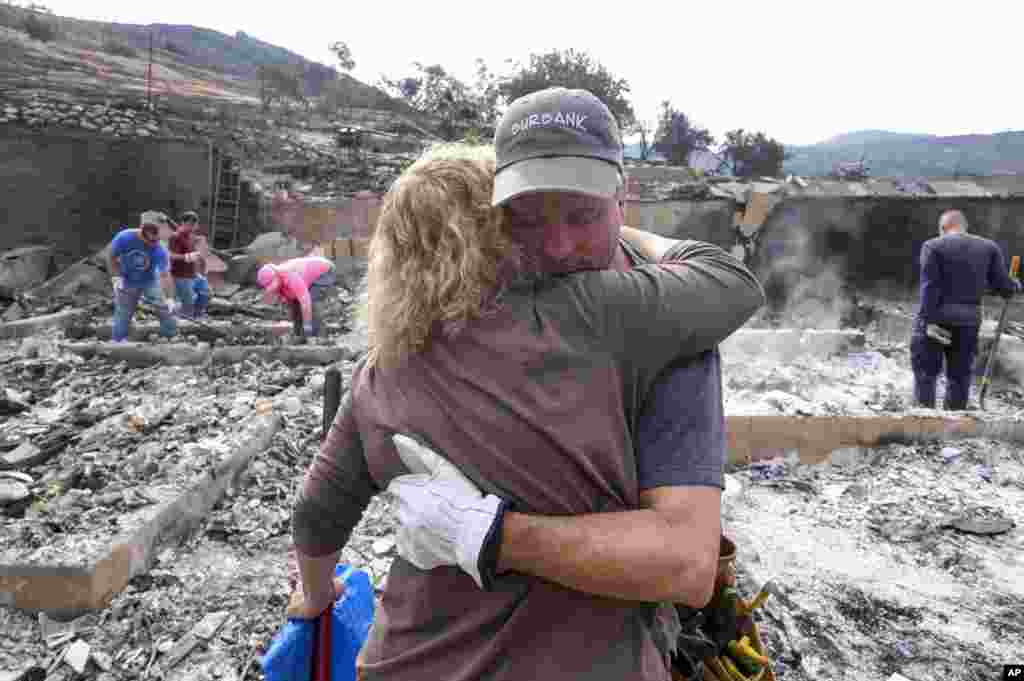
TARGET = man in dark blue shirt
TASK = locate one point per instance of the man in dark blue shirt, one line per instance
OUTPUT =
(957, 269)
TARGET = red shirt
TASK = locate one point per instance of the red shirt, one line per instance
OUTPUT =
(181, 243)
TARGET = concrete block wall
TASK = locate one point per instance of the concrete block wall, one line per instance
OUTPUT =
(74, 190)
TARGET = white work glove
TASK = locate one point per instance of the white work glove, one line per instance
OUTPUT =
(117, 283)
(172, 305)
(939, 334)
(194, 256)
(443, 518)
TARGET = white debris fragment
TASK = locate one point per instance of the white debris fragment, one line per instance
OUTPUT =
(382, 546)
(104, 661)
(77, 656)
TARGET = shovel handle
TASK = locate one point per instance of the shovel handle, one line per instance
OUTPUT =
(1015, 266)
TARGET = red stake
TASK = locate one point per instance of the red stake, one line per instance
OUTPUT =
(322, 654)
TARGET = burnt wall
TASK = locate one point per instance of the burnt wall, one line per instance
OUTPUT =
(709, 221)
(875, 244)
(75, 190)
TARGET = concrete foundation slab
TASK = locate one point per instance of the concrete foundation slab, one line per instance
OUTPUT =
(64, 592)
(265, 331)
(23, 328)
(814, 438)
(183, 354)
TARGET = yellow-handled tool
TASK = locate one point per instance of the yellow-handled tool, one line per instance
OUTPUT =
(990, 362)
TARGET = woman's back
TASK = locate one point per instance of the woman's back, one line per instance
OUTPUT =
(535, 403)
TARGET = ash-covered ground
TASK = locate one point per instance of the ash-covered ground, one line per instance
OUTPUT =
(877, 553)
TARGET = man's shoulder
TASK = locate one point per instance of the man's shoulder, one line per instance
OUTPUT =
(125, 237)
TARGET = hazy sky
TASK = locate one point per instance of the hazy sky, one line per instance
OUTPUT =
(800, 71)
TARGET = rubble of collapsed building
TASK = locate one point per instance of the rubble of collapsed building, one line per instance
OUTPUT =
(146, 487)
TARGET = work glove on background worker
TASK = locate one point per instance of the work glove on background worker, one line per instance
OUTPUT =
(443, 517)
(118, 284)
(939, 334)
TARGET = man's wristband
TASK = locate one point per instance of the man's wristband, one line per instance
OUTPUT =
(487, 562)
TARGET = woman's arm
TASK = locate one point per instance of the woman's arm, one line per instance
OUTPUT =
(331, 500)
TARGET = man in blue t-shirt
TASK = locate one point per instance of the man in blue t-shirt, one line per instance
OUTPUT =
(139, 267)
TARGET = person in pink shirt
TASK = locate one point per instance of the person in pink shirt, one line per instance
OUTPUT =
(300, 284)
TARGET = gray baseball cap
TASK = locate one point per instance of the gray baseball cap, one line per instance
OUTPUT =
(557, 140)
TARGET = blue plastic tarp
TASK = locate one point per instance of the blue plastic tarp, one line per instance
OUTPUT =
(290, 657)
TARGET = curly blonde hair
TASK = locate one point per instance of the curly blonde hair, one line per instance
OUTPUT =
(439, 253)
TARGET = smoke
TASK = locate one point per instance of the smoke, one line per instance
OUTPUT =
(804, 272)
(1011, 359)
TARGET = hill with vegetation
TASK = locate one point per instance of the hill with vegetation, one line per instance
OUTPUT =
(81, 57)
(891, 154)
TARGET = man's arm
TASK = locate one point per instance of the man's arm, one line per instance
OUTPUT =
(167, 285)
(931, 292)
(115, 265)
(690, 301)
(659, 553)
(666, 551)
(298, 287)
(999, 279)
(651, 246)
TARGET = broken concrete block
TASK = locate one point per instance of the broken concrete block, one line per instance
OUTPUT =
(80, 278)
(13, 491)
(24, 268)
(102, 660)
(77, 656)
(203, 631)
(30, 673)
(13, 313)
(275, 247)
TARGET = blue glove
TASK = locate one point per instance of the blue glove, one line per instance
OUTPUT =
(307, 329)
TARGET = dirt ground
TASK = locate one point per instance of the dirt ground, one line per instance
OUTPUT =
(877, 574)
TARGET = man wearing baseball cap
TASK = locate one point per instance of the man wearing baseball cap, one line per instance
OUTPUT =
(186, 261)
(139, 268)
(560, 178)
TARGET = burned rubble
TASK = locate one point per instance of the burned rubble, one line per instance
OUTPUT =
(895, 559)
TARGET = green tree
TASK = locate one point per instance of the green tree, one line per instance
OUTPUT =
(678, 136)
(575, 70)
(344, 56)
(753, 154)
(459, 108)
(646, 132)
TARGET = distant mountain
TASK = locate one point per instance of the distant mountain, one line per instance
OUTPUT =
(892, 154)
(869, 137)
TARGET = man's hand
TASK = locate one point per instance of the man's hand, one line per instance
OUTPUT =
(172, 305)
(194, 256)
(307, 329)
(118, 284)
(651, 246)
(443, 518)
(300, 608)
